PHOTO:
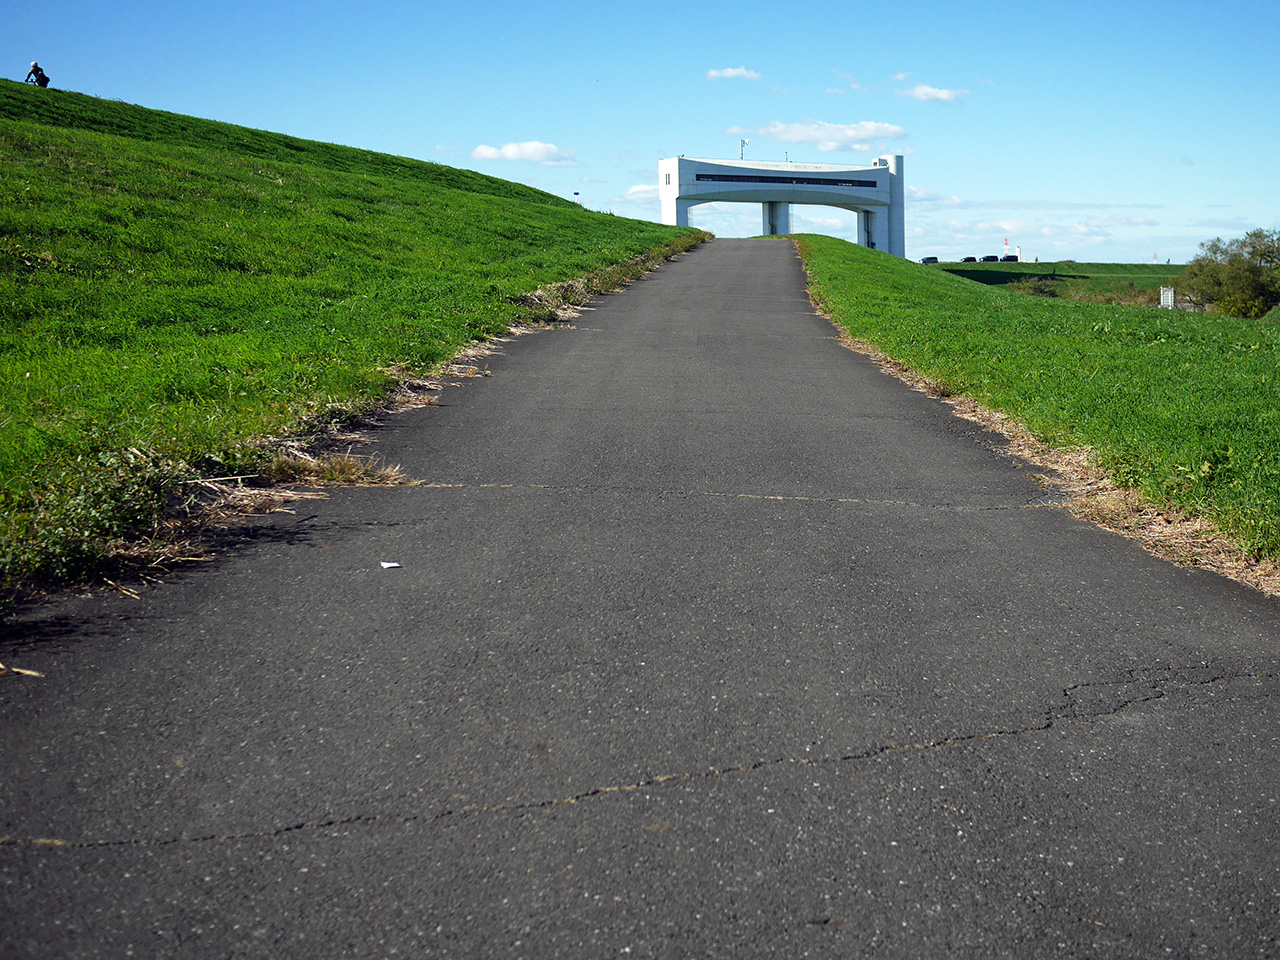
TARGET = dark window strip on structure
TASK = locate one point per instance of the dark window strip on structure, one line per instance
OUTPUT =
(806, 181)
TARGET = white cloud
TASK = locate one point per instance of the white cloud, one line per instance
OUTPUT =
(853, 83)
(532, 151)
(642, 191)
(900, 77)
(733, 73)
(924, 92)
(825, 223)
(832, 136)
(833, 90)
(1016, 226)
(1036, 205)
(1235, 223)
(1132, 222)
(930, 198)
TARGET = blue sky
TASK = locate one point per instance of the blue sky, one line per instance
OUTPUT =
(1116, 131)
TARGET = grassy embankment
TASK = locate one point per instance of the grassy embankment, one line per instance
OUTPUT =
(1183, 407)
(172, 290)
(1134, 283)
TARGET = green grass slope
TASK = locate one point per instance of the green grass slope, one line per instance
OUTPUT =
(172, 289)
(1101, 276)
(75, 111)
(1184, 407)
(1136, 284)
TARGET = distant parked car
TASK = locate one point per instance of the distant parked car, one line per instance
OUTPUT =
(928, 259)
(968, 259)
(1009, 258)
(991, 259)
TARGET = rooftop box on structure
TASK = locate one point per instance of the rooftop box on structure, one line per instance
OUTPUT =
(875, 193)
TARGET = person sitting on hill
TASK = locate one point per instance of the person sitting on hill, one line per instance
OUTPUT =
(37, 76)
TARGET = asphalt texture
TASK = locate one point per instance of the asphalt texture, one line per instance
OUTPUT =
(708, 639)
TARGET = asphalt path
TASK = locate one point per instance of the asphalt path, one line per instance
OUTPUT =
(707, 639)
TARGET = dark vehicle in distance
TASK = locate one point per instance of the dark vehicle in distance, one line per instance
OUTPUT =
(968, 259)
(992, 258)
(1009, 258)
(928, 259)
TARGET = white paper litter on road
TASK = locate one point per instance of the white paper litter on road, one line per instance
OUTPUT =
(388, 566)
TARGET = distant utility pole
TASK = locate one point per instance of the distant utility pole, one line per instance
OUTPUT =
(742, 147)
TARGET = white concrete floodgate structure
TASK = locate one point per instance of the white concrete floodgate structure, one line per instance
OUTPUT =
(875, 193)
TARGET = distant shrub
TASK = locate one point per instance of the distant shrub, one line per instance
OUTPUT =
(1239, 277)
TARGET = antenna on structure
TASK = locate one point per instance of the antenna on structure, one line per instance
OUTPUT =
(742, 147)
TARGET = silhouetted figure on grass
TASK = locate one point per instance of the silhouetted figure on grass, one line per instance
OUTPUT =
(37, 76)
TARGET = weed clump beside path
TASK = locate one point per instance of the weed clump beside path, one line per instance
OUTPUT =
(173, 290)
(1183, 408)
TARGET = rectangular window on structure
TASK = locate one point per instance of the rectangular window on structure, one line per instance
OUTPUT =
(668, 179)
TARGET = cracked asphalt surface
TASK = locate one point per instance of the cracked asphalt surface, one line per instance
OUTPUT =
(708, 639)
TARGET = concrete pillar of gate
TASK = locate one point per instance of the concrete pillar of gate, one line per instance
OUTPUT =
(896, 241)
(776, 218)
(675, 212)
(878, 230)
(865, 218)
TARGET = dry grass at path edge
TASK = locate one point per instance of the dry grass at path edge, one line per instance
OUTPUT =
(1191, 542)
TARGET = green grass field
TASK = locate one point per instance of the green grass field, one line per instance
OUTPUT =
(172, 290)
(1137, 283)
(1142, 275)
(1183, 407)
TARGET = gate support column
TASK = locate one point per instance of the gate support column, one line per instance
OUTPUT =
(776, 215)
(675, 212)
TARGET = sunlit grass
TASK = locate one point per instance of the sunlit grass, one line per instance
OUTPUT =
(1183, 407)
(173, 290)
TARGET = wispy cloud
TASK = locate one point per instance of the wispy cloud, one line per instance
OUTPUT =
(530, 151)
(1125, 222)
(822, 223)
(923, 91)
(930, 198)
(900, 77)
(832, 136)
(642, 192)
(851, 81)
(733, 73)
(1235, 223)
(926, 196)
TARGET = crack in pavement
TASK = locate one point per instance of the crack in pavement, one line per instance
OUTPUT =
(1070, 712)
(1155, 685)
(1044, 501)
